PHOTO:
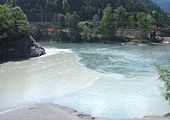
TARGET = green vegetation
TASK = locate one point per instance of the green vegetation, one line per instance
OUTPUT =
(13, 22)
(145, 21)
(92, 20)
(121, 16)
(107, 22)
(86, 9)
(66, 28)
(15, 35)
(165, 77)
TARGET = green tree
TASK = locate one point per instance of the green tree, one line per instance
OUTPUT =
(86, 29)
(60, 20)
(121, 17)
(60, 36)
(68, 19)
(86, 9)
(73, 26)
(13, 21)
(108, 25)
(6, 21)
(145, 21)
(96, 24)
(20, 22)
(165, 77)
(131, 21)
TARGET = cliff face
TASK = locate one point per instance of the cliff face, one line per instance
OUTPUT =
(24, 47)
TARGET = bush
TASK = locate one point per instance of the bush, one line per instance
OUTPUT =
(13, 22)
(164, 73)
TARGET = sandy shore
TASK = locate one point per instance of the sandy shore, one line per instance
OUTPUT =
(53, 112)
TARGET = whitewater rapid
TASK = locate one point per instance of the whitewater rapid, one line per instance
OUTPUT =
(99, 79)
(56, 74)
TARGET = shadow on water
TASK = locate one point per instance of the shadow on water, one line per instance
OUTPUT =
(13, 60)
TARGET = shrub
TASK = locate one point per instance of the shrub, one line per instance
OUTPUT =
(164, 73)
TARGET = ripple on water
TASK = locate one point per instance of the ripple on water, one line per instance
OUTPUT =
(125, 85)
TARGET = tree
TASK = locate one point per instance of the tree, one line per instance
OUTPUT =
(68, 19)
(86, 30)
(165, 77)
(13, 21)
(96, 24)
(6, 22)
(20, 22)
(66, 5)
(108, 24)
(121, 17)
(131, 21)
(86, 9)
(59, 36)
(73, 26)
(60, 20)
(145, 21)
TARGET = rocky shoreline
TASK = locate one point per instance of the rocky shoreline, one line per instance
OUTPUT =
(56, 112)
(22, 48)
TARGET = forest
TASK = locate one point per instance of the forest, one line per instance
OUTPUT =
(92, 20)
(86, 9)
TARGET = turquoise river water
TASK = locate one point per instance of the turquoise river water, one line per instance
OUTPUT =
(104, 80)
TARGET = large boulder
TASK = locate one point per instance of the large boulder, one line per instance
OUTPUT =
(22, 48)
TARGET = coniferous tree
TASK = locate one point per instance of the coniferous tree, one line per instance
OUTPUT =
(121, 17)
(108, 24)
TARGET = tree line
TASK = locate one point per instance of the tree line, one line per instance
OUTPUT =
(86, 9)
(70, 27)
(91, 20)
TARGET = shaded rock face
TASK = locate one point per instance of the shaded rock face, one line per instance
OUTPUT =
(22, 48)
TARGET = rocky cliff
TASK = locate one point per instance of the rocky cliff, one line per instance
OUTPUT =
(21, 48)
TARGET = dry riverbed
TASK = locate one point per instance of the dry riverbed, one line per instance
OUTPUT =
(54, 112)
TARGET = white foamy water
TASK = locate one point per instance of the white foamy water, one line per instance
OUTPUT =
(56, 74)
(53, 51)
(99, 79)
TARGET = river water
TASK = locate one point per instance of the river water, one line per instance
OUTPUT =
(104, 80)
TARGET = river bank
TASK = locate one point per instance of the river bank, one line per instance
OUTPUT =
(53, 112)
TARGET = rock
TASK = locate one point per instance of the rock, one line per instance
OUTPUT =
(36, 51)
(20, 49)
(84, 116)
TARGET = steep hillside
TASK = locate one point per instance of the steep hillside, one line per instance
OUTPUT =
(86, 9)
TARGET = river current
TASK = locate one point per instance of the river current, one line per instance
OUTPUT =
(104, 80)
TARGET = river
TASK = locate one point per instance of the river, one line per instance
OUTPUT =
(104, 80)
